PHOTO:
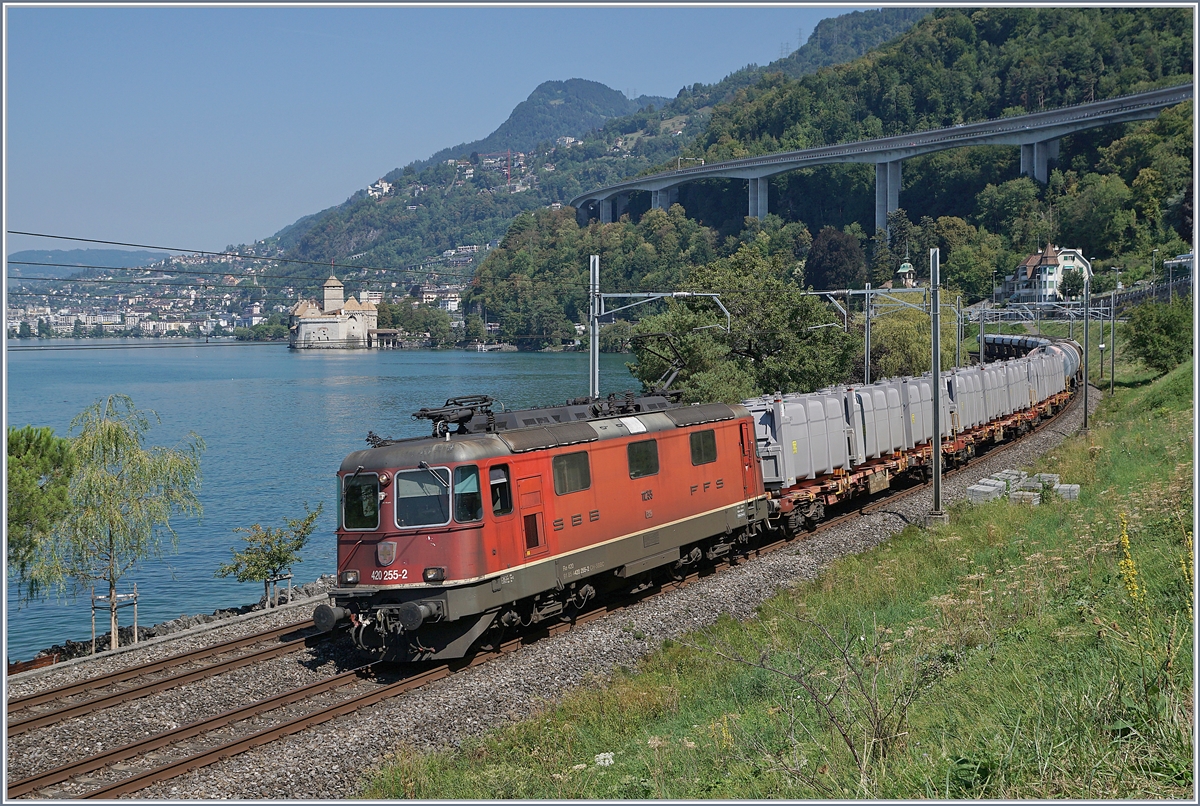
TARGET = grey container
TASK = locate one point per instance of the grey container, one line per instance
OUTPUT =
(1019, 497)
(1047, 478)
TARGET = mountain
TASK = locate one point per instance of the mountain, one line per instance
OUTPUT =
(74, 259)
(433, 206)
(554, 109)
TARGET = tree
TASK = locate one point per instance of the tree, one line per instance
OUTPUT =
(1072, 284)
(835, 261)
(883, 263)
(473, 328)
(44, 329)
(39, 471)
(777, 339)
(901, 342)
(24, 331)
(122, 497)
(270, 551)
(1098, 213)
(1160, 335)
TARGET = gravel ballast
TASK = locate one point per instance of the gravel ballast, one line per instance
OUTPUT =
(332, 760)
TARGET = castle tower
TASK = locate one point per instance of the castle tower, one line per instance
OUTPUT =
(334, 301)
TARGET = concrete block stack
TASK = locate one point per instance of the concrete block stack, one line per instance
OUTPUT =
(1068, 492)
(1020, 488)
(979, 493)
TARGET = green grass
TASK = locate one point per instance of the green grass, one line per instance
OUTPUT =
(1018, 652)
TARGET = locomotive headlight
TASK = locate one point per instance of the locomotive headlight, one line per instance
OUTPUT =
(385, 553)
(434, 574)
(348, 577)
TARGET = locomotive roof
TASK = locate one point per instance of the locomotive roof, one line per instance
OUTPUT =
(454, 448)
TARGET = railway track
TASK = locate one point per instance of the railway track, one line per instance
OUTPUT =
(88, 696)
(177, 751)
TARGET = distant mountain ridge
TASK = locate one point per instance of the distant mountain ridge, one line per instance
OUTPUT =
(554, 109)
(76, 259)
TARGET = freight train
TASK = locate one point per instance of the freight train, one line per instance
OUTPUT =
(500, 520)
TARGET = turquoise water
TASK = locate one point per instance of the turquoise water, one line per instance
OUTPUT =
(277, 424)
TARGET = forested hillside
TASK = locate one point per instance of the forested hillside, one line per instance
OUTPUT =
(1118, 192)
(433, 206)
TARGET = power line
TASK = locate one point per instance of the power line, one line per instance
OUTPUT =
(331, 264)
(475, 281)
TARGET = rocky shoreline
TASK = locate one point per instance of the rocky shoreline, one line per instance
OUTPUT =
(70, 650)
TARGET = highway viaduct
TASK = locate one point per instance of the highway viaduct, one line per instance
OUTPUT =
(1037, 134)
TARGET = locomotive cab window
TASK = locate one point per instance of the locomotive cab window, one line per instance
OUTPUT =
(571, 473)
(422, 497)
(501, 490)
(360, 501)
(704, 447)
(643, 458)
(468, 502)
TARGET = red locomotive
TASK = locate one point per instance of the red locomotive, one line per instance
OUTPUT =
(503, 519)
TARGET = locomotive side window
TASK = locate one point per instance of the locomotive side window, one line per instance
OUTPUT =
(501, 490)
(422, 497)
(360, 501)
(571, 473)
(533, 537)
(643, 458)
(468, 503)
(704, 447)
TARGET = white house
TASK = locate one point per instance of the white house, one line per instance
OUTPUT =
(1038, 278)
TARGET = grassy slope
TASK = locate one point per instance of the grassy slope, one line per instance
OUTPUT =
(1022, 652)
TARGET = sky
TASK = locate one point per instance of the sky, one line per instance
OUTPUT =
(203, 127)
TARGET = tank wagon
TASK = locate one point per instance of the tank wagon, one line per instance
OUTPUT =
(504, 519)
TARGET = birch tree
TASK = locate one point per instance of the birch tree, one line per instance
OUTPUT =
(122, 497)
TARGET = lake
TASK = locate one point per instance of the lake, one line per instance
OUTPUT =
(276, 423)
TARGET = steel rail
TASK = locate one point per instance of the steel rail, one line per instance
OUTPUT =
(20, 726)
(267, 735)
(161, 740)
(130, 672)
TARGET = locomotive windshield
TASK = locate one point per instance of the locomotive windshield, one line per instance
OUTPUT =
(422, 497)
(360, 501)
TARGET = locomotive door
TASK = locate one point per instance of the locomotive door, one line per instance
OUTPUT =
(748, 457)
(533, 527)
(504, 514)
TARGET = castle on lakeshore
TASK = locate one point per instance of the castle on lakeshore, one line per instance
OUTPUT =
(341, 324)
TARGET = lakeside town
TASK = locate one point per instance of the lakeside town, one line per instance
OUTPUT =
(231, 293)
